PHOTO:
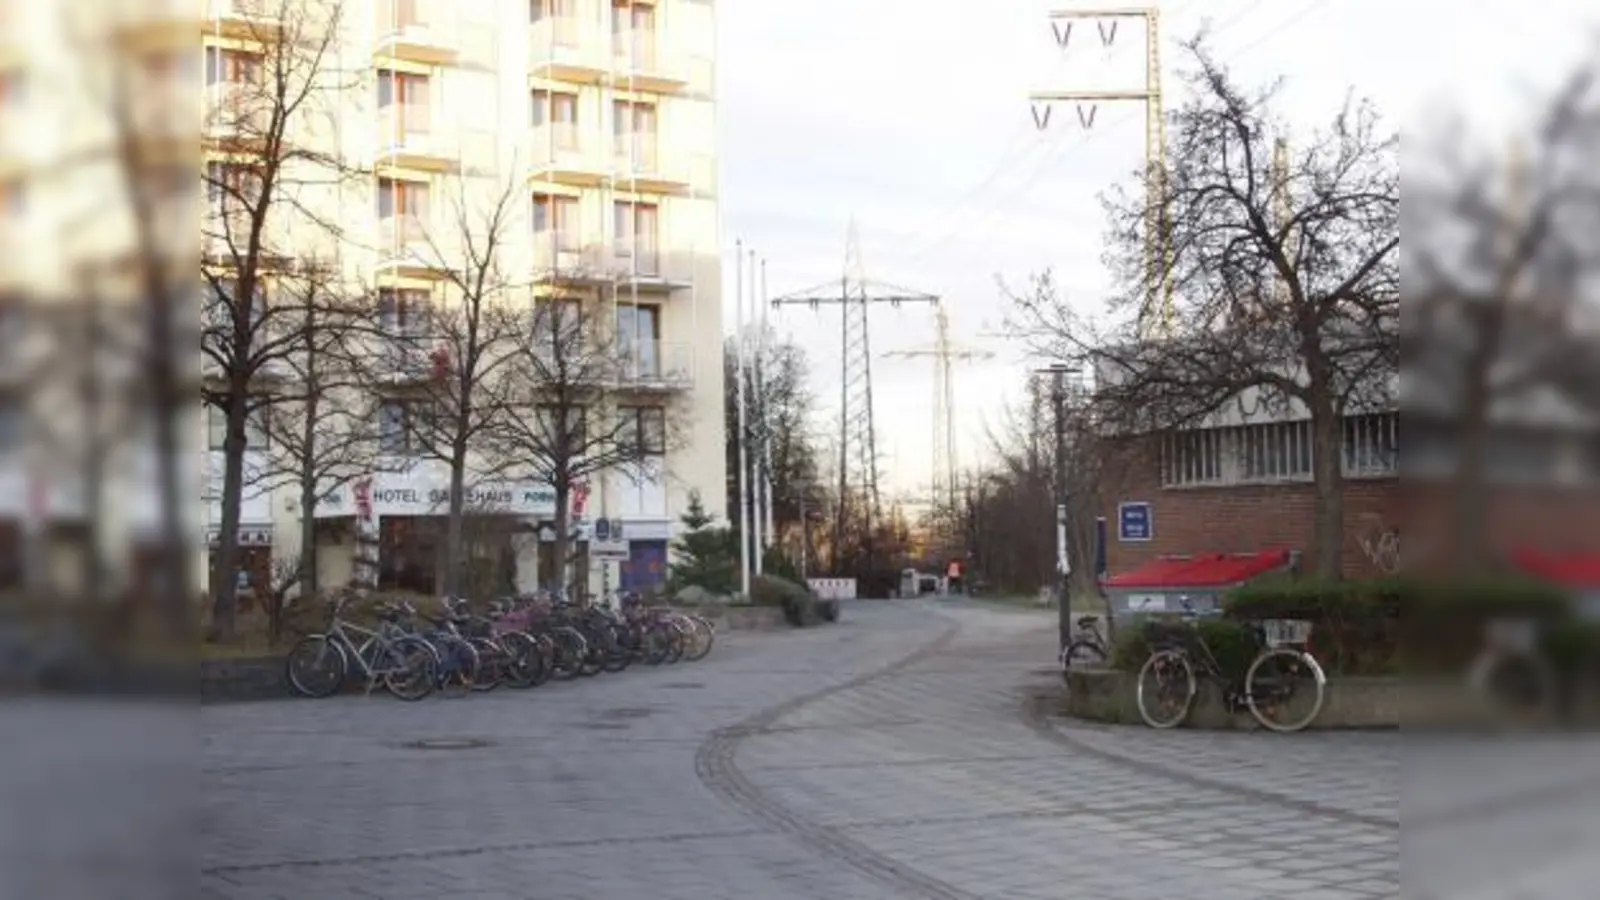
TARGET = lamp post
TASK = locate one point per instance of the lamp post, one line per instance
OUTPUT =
(1058, 373)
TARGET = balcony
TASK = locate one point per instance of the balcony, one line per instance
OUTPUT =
(639, 264)
(562, 257)
(641, 61)
(243, 20)
(653, 365)
(638, 163)
(409, 358)
(404, 247)
(568, 50)
(236, 116)
(407, 139)
(418, 31)
(558, 155)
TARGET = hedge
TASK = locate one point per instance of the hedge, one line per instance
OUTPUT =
(1387, 625)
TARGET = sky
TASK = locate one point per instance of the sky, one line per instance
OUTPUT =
(912, 117)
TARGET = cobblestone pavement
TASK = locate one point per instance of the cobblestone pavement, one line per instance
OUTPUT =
(887, 757)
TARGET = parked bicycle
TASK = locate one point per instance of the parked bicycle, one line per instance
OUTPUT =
(1087, 647)
(1283, 672)
(520, 642)
(405, 664)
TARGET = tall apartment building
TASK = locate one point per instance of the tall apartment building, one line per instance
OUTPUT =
(599, 117)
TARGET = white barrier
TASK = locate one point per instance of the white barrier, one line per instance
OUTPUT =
(833, 588)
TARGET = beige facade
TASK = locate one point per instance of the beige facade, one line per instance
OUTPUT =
(591, 121)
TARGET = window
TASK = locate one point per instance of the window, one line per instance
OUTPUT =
(402, 425)
(557, 319)
(628, 24)
(633, 119)
(642, 430)
(231, 188)
(1192, 457)
(1273, 451)
(255, 428)
(222, 305)
(395, 15)
(559, 112)
(404, 95)
(404, 200)
(13, 198)
(564, 427)
(10, 424)
(232, 66)
(540, 10)
(634, 228)
(639, 339)
(556, 218)
(405, 312)
(1371, 444)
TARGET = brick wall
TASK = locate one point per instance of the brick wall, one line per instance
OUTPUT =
(1248, 518)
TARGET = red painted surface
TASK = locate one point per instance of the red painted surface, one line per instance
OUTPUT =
(1573, 570)
(1210, 570)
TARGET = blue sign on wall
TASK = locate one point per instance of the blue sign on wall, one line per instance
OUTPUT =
(1135, 522)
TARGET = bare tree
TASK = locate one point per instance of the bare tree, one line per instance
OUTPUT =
(322, 431)
(587, 401)
(281, 88)
(451, 379)
(1501, 311)
(1283, 279)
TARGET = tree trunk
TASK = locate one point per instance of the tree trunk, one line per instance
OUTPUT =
(563, 527)
(308, 482)
(449, 577)
(1327, 445)
(233, 449)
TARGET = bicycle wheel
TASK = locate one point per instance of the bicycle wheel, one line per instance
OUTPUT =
(1082, 653)
(702, 636)
(1278, 678)
(494, 664)
(681, 633)
(1518, 688)
(1171, 685)
(570, 651)
(525, 659)
(409, 667)
(316, 667)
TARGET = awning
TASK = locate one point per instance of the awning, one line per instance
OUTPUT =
(1210, 570)
(1576, 569)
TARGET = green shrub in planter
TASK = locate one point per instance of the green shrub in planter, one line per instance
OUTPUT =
(1355, 625)
(800, 606)
(1232, 643)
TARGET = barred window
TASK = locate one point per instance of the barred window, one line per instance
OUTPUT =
(1192, 457)
(1372, 444)
(1274, 451)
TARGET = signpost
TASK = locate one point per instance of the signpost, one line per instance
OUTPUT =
(1135, 522)
(608, 542)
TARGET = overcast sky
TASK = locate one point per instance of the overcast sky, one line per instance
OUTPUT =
(912, 115)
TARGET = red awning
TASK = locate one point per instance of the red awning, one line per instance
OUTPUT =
(1210, 570)
(1573, 570)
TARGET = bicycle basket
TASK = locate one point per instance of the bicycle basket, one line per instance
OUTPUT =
(1511, 635)
(1286, 632)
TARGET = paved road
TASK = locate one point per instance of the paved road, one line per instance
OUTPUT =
(888, 757)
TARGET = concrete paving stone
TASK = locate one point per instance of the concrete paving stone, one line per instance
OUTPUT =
(923, 779)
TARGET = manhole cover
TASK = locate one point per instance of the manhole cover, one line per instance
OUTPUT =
(446, 744)
(625, 712)
(682, 686)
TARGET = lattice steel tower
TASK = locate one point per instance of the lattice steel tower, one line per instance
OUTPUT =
(858, 442)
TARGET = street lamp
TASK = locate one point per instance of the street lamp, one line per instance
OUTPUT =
(1058, 373)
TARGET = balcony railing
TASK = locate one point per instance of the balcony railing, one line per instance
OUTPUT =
(234, 111)
(403, 237)
(565, 43)
(638, 257)
(563, 147)
(655, 363)
(407, 129)
(644, 54)
(561, 254)
(419, 30)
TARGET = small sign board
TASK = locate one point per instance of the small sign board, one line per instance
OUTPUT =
(608, 542)
(1135, 521)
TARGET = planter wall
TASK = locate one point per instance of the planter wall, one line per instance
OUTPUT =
(1103, 695)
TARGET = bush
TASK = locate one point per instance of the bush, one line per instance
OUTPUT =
(1233, 643)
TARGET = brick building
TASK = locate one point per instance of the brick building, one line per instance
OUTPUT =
(1246, 487)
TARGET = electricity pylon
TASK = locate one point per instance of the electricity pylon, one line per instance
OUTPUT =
(945, 355)
(858, 443)
(1158, 308)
